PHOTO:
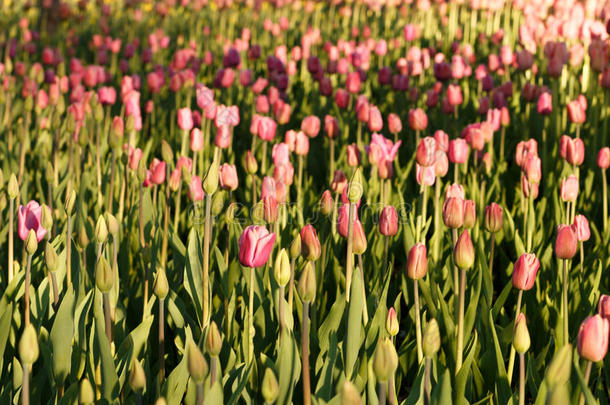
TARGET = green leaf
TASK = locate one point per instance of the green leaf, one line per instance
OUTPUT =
(5, 328)
(193, 272)
(131, 347)
(110, 380)
(584, 387)
(62, 334)
(441, 394)
(288, 367)
(354, 325)
(502, 381)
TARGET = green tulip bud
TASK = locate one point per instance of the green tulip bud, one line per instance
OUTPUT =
(521, 338)
(258, 212)
(69, 203)
(250, 163)
(307, 283)
(463, 253)
(350, 394)
(86, 395)
(113, 224)
(31, 243)
(166, 151)
(558, 371)
(142, 171)
(270, 388)
(50, 173)
(431, 341)
(46, 219)
(28, 345)
(187, 176)
(218, 203)
(137, 377)
(101, 230)
(83, 238)
(210, 182)
(98, 112)
(355, 187)
(13, 187)
(161, 287)
(295, 247)
(213, 342)
(50, 257)
(391, 322)
(558, 395)
(197, 366)
(29, 103)
(385, 361)
(281, 270)
(230, 213)
(104, 278)
(130, 124)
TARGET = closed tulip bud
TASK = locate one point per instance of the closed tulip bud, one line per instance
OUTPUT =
(258, 212)
(142, 171)
(113, 224)
(86, 395)
(417, 261)
(385, 361)
(137, 376)
(46, 219)
(521, 337)
(603, 158)
(161, 287)
(581, 228)
(559, 395)
(356, 187)
(196, 140)
(524, 272)
(426, 149)
(350, 394)
(228, 177)
(210, 182)
(470, 214)
(13, 187)
(353, 155)
(28, 346)
(391, 322)
(532, 168)
(463, 254)
(431, 340)
(197, 365)
(166, 151)
(101, 230)
(281, 269)
(218, 203)
(569, 188)
(453, 212)
(104, 277)
(566, 242)
(83, 239)
(493, 217)
(310, 244)
(326, 203)
(388, 221)
(213, 342)
(195, 190)
(593, 338)
(558, 371)
(359, 242)
(270, 387)
(69, 203)
(250, 163)
(31, 243)
(295, 247)
(50, 257)
(307, 283)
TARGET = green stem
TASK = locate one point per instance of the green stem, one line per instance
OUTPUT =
(250, 315)
(108, 321)
(521, 379)
(305, 353)
(566, 334)
(161, 341)
(511, 359)
(27, 290)
(587, 376)
(382, 393)
(418, 335)
(10, 239)
(460, 339)
(206, 260)
(25, 386)
(604, 202)
(427, 367)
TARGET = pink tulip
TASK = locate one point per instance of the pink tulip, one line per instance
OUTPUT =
(388, 221)
(581, 228)
(196, 140)
(29, 218)
(458, 150)
(441, 165)
(577, 110)
(455, 190)
(425, 175)
(603, 158)
(339, 182)
(228, 177)
(523, 149)
(417, 262)
(569, 188)
(255, 245)
(343, 219)
(524, 271)
(331, 126)
(268, 187)
(545, 103)
(311, 126)
(418, 120)
(604, 306)
(375, 120)
(156, 173)
(572, 150)
(185, 119)
(454, 95)
(470, 213)
(566, 242)
(353, 155)
(265, 128)
(205, 96)
(426, 149)
(281, 154)
(593, 338)
(195, 190)
(532, 169)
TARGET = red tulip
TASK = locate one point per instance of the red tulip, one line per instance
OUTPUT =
(418, 120)
(566, 242)
(453, 212)
(388, 221)
(417, 262)
(593, 338)
(604, 306)
(524, 271)
(255, 245)
(310, 244)
(493, 217)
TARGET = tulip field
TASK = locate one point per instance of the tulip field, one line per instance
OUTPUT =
(304, 202)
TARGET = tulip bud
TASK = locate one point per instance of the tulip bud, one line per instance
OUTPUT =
(581, 228)
(525, 269)
(326, 203)
(295, 247)
(101, 230)
(307, 283)
(161, 401)
(566, 243)
(230, 213)
(50, 257)
(258, 212)
(142, 171)
(463, 254)
(470, 214)
(310, 244)
(281, 270)
(250, 163)
(431, 340)
(350, 394)
(218, 203)
(270, 388)
(453, 212)
(359, 239)
(388, 221)
(86, 395)
(493, 217)
(69, 203)
(417, 262)
(210, 182)
(13, 187)
(104, 277)
(83, 239)
(593, 338)
(31, 243)
(161, 286)
(559, 395)
(270, 207)
(558, 371)
(28, 346)
(356, 187)
(385, 361)
(521, 337)
(137, 377)
(213, 342)
(391, 322)
(113, 224)
(197, 365)
(166, 151)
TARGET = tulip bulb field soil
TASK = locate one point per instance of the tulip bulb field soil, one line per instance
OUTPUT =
(275, 202)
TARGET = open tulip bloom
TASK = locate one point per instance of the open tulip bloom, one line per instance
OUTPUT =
(309, 202)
